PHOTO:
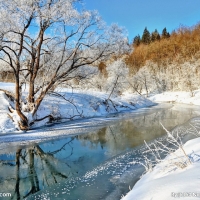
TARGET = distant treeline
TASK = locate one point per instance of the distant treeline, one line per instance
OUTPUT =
(179, 46)
(148, 37)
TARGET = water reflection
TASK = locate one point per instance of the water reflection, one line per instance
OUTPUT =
(99, 158)
(30, 170)
(130, 133)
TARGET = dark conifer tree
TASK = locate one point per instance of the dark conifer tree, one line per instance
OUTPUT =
(165, 34)
(136, 40)
(168, 34)
(155, 36)
(146, 37)
(158, 37)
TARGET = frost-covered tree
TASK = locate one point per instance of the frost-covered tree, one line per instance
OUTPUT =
(113, 81)
(118, 74)
(44, 42)
(142, 81)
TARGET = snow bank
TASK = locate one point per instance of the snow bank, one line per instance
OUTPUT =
(78, 105)
(178, 97)
(6, 124)
(66, 105)
(170, 181)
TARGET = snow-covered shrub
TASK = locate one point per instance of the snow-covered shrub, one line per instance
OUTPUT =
(171, 77)
(141, 81)
(158, 149)
(98, 82)
(118, 74)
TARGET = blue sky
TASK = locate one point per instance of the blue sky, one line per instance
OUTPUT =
(135, 15)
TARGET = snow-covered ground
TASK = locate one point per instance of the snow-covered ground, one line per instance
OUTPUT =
(169, 179)
(6, 124)
(178, 97)
(71, 105)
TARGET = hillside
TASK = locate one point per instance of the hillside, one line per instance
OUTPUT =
(167, 64)
(182, 45)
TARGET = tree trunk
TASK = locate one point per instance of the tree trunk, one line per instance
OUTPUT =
(24, 121)
(31, 92)
(41, 97)
(113, 87)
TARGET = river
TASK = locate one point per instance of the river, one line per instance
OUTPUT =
(87, 159)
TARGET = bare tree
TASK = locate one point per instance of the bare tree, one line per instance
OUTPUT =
(44, 42)
(141, 81)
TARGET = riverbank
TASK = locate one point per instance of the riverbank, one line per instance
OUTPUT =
(65, 105)
(192, 98)
(169, 179)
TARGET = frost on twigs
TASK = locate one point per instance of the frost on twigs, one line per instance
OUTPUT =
(172, 147)
(45, 43)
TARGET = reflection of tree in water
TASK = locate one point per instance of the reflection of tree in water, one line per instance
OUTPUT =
(132, 132)
(33, 169)
(94, 138)
(125, 134)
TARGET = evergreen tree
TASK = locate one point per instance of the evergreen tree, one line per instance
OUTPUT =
(146, 37)
(168, 34)
(165, 34)
(155, 36)
(158, 37)
(136, 40)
